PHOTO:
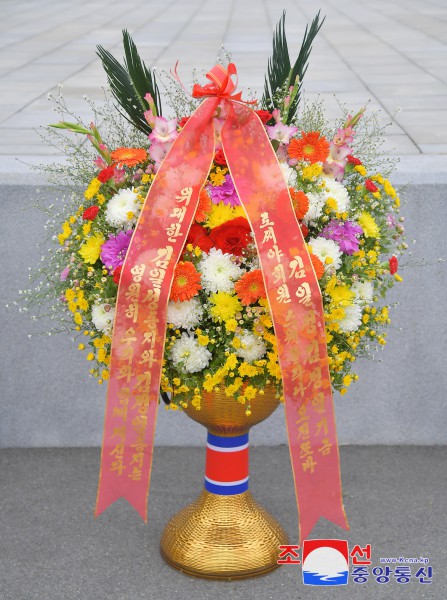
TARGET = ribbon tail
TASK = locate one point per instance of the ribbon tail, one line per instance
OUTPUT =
(297, 313)
(140, 318)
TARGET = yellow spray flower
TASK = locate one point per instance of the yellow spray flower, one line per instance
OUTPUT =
(66, 232)
(91, 249)
(360, 169)
(92, 189)
(86, 228)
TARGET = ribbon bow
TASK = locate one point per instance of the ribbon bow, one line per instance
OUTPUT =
(292, 291)
(221, 84)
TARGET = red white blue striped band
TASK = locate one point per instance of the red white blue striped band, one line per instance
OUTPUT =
(226, 470)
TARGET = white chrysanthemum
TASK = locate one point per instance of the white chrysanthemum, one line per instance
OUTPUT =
(316, 205)
(352, 319)
(102, 317)
(186, 314)
(334, 189)
(123, 208)
(219, 272)
(188, 355)
(327, 251)
(290, 175)
(363, 290)
(252, 347)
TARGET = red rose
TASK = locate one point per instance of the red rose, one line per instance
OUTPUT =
(264, 115)
(370, 186)
(394, 263)
(90, 213)
(183, 121)
(352, 160)
(219, 158)
(199, 237)
(117, 274)
(106, 174)
(232, 236)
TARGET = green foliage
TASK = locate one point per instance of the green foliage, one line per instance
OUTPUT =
(130, 84)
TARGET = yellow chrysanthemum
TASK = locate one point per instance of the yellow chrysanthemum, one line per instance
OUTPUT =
(70, 294)
(92, 189)
(221, 213)
(231, 325)
(91, 249)
(312, 171)
(369, 226)
(231, 362)
(341, 295)
(225, 306)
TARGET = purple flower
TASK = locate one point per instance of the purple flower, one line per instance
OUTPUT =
(64, 274)
(224, 193)
(344, 233)
(390, 221)
(113, 252)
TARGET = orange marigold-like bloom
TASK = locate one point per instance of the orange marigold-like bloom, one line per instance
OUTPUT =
(186, 282)
(250, 287)
(300, 203)
(317, 265)
(204, 206)
(311, 147)
(129, 156)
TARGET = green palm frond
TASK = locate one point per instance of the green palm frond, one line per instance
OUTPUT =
(278, 69)
(300, 67)
(280, 74)
(129, 84)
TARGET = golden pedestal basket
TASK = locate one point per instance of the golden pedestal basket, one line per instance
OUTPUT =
(225, 536)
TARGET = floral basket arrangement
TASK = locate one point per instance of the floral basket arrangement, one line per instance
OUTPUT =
(220, 330)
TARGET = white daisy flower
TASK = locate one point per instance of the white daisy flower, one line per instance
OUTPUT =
(252, 347)
(123, 209)
(364, 291)
(327, 251)
(352, 319)
(186, 314)
(188, 355)
(334, 189)
(219, 272)
(102, 317)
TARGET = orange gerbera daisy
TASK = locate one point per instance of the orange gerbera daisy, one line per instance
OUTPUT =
(317, 265)
(250, 287)
(204, 206)
(186, 282)
(312, 147)
(300, 203)
(129, 156)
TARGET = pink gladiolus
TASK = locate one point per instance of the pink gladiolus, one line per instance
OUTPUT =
(164, 130)
(119, 176)
(158, 151)
(282, 133)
